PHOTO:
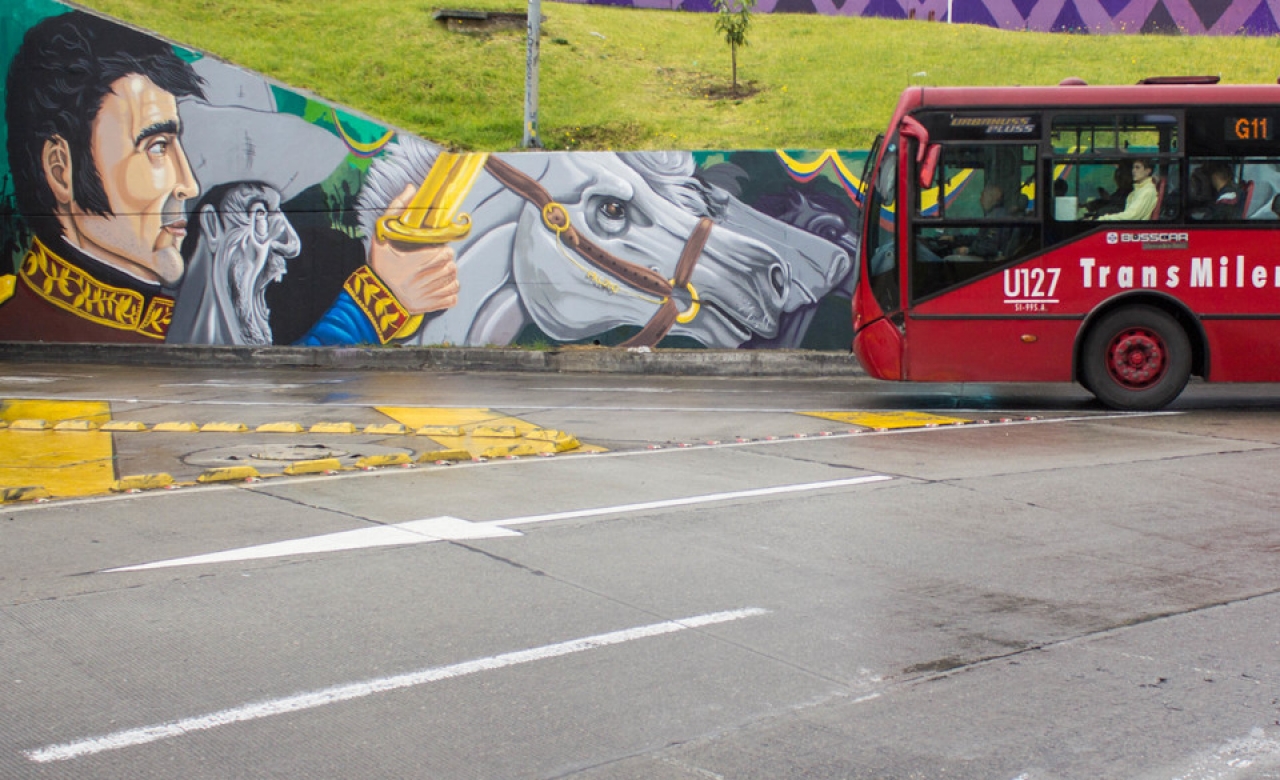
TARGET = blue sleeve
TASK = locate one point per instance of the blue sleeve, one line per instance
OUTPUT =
(344, 323)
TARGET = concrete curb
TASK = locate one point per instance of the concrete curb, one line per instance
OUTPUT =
(586, 360)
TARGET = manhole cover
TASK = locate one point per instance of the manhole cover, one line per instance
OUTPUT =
(282, 454)
(294, 452)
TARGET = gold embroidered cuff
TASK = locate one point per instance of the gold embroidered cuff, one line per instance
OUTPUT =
(389, 319)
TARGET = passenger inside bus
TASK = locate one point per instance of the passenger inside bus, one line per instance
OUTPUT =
(1226, 201)
(1199, 190)
(1142, 201)
(1113, 202)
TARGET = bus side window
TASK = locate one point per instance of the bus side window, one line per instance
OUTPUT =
(978, 216)
(1262, 195)
(1218, 191)
(1104, 190)
(1092, 165)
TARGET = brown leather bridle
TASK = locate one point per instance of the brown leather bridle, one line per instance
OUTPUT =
(556, 218)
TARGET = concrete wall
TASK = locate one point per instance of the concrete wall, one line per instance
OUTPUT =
(155, 195)
(1099, 17)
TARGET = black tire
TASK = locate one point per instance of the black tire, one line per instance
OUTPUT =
(1136, 358)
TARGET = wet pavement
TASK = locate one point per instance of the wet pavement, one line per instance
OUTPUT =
(728, 576)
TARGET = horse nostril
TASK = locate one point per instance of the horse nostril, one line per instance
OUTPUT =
(779, 280)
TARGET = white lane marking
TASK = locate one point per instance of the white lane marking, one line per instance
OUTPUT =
(31, 380)
(435, 529)
(349, 691)
(704, 499)
(431, 529)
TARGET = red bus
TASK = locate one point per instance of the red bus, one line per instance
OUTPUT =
(1124, 237)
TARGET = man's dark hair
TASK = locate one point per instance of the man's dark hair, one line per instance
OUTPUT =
(1218, 168)
(55, 87)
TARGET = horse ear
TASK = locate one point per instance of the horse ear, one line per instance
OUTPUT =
(210, 225)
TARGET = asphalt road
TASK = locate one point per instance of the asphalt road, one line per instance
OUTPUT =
(729, 578)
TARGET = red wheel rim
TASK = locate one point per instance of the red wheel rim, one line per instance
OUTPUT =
(1137, 358)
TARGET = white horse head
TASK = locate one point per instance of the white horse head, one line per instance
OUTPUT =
(640, 208)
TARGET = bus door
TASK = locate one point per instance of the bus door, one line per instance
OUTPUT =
(980, 214)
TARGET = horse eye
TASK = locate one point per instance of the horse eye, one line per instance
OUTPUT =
(613, 209)
(610, 216)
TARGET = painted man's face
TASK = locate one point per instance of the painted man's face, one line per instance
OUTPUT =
(146, 176)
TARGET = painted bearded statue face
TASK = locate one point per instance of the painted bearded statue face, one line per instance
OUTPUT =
(249, 239)
(145, 176)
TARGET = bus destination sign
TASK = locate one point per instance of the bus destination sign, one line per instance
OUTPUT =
(1250, 128)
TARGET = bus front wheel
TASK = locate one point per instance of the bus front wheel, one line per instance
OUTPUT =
(1136, 358)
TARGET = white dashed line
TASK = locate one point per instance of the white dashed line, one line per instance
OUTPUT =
(349, 691)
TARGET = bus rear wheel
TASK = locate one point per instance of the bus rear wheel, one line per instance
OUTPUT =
(1136, 358)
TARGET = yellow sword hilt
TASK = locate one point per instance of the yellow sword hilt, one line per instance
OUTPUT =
(432, 214)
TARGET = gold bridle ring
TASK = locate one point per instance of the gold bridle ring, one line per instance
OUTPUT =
(555, 217)
(688, 314)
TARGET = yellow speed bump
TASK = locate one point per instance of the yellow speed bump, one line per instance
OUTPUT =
(11, 495)
(440, 430)
(387, 429)
(176, 427)
(334, 427)
(123, 426)
(279, 427)
(77, 425)
(438, 455)
(318, 466)
(510, 451)
(30, 425)
(381, 461)
(543, 434)
(141, 482)
(560, 440)
(223, 427)
(228, 474)
(566, 443)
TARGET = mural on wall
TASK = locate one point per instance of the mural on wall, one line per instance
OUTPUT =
(154, 195)
(1168, 17)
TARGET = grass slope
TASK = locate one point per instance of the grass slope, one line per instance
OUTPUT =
(620, 78)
